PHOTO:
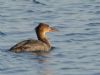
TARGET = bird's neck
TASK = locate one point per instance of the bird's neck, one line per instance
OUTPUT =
(42, 37)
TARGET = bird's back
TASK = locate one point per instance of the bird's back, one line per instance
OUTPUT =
(30, 45)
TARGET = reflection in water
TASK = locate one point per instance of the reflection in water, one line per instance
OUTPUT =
(41, 53)
(42, 60)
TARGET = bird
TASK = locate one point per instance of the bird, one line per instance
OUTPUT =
(42, 44)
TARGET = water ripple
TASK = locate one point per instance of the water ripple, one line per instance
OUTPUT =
(72, 34)
(97, 12)
(2, 34)
(30, 11)
(37, 2)
(93, 24)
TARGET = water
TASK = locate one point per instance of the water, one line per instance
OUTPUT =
(76, 45)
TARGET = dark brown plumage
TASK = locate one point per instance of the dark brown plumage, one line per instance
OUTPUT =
(42, 44)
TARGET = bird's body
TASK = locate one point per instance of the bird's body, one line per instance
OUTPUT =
(42, 44)
(30, 45)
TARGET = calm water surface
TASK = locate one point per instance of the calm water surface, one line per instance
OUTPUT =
(76, 45)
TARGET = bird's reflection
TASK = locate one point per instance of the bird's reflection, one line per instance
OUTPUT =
(43, 67)
(41, 53)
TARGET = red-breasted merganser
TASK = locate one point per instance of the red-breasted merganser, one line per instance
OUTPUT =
(31, 45)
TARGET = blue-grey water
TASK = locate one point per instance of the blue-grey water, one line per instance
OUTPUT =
(76, 46)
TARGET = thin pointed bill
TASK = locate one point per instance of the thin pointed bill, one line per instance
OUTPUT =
(52, 29)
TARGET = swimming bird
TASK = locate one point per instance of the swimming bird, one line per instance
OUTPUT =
(31, 45)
